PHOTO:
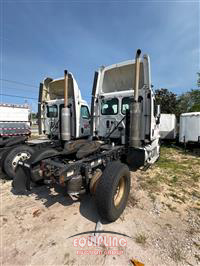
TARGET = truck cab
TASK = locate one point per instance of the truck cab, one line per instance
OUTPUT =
(113, 91)
(51, 102)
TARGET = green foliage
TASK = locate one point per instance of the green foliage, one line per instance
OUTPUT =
(170, 103)
(34, 115)
(189, 102)
(167, 100)
(198, 79)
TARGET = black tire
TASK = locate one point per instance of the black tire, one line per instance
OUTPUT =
(3, 157)
(10, 161)
(109, 207)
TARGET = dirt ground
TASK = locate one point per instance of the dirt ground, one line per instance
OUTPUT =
(162, 217)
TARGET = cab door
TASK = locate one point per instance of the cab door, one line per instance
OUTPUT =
(52, 120)
(84, 129)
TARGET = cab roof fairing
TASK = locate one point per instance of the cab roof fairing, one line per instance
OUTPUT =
(54, 88)
(110, 81)
(60, 101)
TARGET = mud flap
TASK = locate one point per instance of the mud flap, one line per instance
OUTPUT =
(22, 180)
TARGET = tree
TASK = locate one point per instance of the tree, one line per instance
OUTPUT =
(171, 104)
(189, 102)
(34, 115)
(198, 79)
(167, 101)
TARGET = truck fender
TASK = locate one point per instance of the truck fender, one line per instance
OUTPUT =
(15, 140)
(41, 154)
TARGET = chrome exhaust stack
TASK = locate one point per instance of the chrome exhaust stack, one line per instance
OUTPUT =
(135, 108)
(65, 113)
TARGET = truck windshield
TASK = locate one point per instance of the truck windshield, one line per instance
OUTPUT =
(109, 106)
(52, 111)
(125, 104)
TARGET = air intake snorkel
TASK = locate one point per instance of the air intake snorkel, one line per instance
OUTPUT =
(135, 108)
(65, 113)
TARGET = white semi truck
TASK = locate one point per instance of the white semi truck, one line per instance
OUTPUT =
(112, 98)
(50, 105)
(124, 132)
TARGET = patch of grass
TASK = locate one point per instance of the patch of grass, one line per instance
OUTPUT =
(152, 197)
(174, 179)
(152, 184)
(66, 255)
(191, 231)
(196, 244)
(141, 239)
(176, 253)
(173, 162)
(194, 161)
(132, 201)
(196, 209)
(171, 166)
(179, 197)
(196, 193)
(195, 177)
(197, 257)
(173, 209)
(122, 217)
(169, 225)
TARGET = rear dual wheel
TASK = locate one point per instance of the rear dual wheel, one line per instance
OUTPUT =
(112, 191)
(10, 162)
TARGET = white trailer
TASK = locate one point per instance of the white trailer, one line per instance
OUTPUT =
(189, 131)
(14, 120)
(168, 126)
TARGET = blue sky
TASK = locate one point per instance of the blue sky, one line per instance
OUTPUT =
(42, 38)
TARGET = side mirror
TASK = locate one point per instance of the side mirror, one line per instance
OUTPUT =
(158, 114)
(157, 110)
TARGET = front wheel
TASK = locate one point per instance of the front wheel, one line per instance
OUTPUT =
(112, 191)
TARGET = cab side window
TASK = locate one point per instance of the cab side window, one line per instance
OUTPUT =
(125, 104)
(52, 111)
(109, 106)
(85, 112)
